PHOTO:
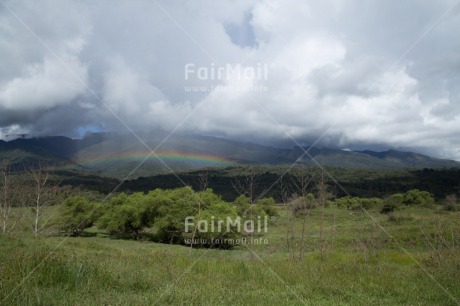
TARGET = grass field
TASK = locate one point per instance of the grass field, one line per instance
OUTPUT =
(410, 258)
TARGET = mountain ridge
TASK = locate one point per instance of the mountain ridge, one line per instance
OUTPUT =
(115, 155)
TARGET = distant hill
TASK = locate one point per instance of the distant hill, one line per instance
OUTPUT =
(117, 155)
(53, 151)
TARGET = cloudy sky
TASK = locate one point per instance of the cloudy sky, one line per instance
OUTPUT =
(359, 73)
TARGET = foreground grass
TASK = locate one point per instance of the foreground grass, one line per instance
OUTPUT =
(105, 271)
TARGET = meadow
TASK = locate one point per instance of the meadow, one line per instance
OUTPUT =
(346, 257)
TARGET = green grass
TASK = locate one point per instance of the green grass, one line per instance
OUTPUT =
(104, 271)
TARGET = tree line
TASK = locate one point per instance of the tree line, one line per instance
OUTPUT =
(160, 213)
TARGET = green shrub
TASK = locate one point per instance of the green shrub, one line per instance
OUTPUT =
(388, 208)
(355, 203)
(126, 215)
(269, 206)
(417, 197)
(77, 214)
(301, 205)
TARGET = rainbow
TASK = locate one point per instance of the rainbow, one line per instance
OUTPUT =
(203, 160)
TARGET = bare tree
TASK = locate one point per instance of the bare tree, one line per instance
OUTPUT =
(322, 198)
(290, 231)
(301, 181)
(247, 186)
(42, 195)
(7, 221)
(203, 181)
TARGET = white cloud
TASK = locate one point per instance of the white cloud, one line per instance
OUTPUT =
(44, 85)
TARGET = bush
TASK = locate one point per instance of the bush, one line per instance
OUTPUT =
(370, 203)
(355, 203)
(77, 214)
(451, 203)
(211, 231)
(417, 197)
(243, 206)
(388, 208)
(396, 199)
(268, 205)
(166, 211)
(391, 203)
(126, 215)
(452, 207)
(300, 205)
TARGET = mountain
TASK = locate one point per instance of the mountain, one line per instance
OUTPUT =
(53, 151)
(117, 155)
(390, 159)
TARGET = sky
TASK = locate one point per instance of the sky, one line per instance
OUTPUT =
(341, 73)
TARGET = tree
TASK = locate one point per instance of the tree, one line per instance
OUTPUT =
(323, 195)
(7, 201)
(126, 215)
(451, 203)
(242, 204)
(204, 199)
(302, 180)
(174, 206)
(246, 186)
(212, 225)
(42, 195)
(77, 214)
